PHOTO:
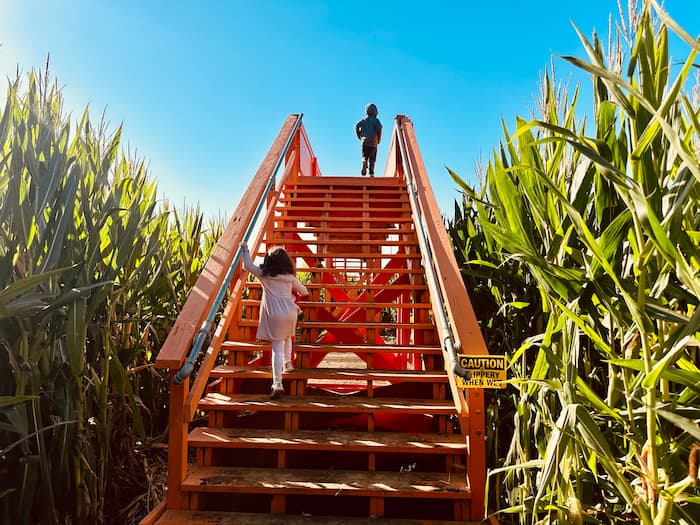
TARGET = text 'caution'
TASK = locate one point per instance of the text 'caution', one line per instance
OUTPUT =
(485, 371)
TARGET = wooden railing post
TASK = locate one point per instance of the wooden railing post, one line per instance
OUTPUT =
(177, 442)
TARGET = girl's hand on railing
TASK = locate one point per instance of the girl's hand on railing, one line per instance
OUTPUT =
(243, 245)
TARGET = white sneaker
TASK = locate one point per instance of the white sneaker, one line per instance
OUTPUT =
(288, 367)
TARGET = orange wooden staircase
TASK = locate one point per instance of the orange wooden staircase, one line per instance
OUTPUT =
(373, 427)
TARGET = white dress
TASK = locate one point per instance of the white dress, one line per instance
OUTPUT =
(278, 311)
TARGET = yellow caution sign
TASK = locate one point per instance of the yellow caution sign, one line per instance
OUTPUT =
(485, 371)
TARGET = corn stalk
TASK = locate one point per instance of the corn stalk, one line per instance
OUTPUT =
(607, 225)
(92, 274)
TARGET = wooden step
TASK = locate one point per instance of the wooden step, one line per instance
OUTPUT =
(343, 374)
(433, 485)
(323, 195)
(362, 286)
(342, 348)
(401, 207)
(288, 214)
(388, 230)
(344, 242)
(328, 404)
(333, 440)
(326, 182)
(321, 325)
(356, 275)
(335, 193)
(193, 517)
(350, 255)
(351, 305)
(363, 271)
(364, 324)
(357, 201)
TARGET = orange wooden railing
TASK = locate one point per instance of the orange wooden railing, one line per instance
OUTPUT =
(291, 148)
(453, 298)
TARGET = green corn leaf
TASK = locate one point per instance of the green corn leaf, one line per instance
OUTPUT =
(687, 425)
(19, 287)
(587, 393)
(599, 69)
(688, 378)
(671, 356)
(75, 336)
(119, 374)
(594, 439)
(666, 247)
(670, 22)
(64, 218)
(23, 306)
(557, 448)
(668, 128)
(6, 401)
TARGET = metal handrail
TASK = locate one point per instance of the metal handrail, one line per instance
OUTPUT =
(188, 367)
(423, 241)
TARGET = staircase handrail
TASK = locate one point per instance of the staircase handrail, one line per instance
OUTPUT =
(204, 331)
(444, 327)
(453, 301)
(192, 320)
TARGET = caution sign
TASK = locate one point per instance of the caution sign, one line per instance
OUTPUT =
(485, 371)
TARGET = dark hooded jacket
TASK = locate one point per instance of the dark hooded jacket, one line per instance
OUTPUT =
(369, 129)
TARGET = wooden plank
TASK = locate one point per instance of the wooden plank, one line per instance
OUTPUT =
(335, 440)
(347, 374)
(344, 242)
(177, 442)
(345, 324)
(388, 230)
(290, 194)
(361, 286)
(352, 304)
(379, 210)
(364, 271)
(288, 215)
(358, 198)
(326, 181)
(306, 189)
(355, 255)
(154, 515)
(434, 485)
(244, 346)
(346, 404)
(176, 517)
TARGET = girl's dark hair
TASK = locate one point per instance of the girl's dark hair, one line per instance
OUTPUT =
(277, 262)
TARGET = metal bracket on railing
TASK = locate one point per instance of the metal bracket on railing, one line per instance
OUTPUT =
(188, 367)
(426, 257)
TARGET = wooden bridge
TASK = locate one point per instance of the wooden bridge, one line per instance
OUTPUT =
(373, 427)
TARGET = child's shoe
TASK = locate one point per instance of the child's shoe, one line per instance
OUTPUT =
(276, 392)
(288, 367)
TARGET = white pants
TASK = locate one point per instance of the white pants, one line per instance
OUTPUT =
(281, 353)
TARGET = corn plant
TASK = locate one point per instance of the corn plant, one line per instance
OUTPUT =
(92, 274)
(508, 306)
(607, 225)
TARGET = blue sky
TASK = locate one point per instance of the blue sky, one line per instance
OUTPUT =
(202, 88)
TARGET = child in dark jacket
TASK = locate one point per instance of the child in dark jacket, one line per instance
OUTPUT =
(369, 131)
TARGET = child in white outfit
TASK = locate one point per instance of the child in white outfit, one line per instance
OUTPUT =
(278, 310)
